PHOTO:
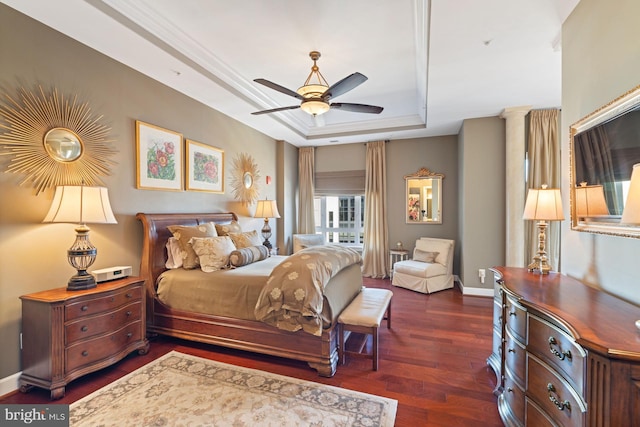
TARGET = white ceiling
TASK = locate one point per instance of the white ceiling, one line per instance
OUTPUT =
(430, 64)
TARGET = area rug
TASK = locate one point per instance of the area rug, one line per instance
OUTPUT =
(182, 390)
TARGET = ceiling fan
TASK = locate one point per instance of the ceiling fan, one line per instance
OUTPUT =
(316, 93)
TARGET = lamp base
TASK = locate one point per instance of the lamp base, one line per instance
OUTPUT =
(81, 281)
(540, 260)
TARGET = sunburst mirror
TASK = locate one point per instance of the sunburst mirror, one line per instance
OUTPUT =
(244, 179)
(54, 140)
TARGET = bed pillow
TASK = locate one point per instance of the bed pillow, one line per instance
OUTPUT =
(225, 229)
(184, 233)
(246, 239)
(174, 254)
(424, 256)
(213, 252)
(248, 255)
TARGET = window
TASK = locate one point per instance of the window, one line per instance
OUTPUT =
(349, 210)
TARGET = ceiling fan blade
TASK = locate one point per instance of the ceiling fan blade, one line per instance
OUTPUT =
(344, 85)
(279, 88)
(357, 108)
(275, 110)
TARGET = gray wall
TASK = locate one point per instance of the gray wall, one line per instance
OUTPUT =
(600, 62)
(32, 254)
(482, 198)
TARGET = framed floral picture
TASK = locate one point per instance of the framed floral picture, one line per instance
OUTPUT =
(159, 158)
(205, 167)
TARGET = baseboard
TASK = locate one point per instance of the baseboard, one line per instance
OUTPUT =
(477, 292)
(9, 384)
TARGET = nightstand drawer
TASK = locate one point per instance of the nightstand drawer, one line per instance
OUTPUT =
(93, 350)
(514, 397)
(91, 326)
(102, 302)
(554, 394)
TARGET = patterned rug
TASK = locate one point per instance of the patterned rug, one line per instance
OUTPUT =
(182, 390)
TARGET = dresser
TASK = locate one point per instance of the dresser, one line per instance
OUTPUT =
(564, 354)
(67, 334)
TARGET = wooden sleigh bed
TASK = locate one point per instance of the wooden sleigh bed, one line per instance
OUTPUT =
(319, 351)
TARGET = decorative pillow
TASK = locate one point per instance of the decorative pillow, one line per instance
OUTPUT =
(246, 239)
(225, 229)
(213, 252)
(248, 255)
(174, 254)
(184, 233)
(424, 256)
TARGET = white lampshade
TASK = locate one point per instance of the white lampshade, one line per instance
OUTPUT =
(81, 205)
(544, 204)
(631, 212)
(590, 201)
(267, 209)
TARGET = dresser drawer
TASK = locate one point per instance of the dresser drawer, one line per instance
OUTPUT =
(93, 350)
(558, 349)
(516, 318)
(514, 398)
(555, 396)
(102, 302)
(497, 314)
(515, 357)
(534, 416)
(88, 327)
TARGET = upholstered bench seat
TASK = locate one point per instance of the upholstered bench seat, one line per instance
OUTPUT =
(364, 315)
(420, 269)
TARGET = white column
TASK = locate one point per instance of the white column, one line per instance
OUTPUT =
(515, 185)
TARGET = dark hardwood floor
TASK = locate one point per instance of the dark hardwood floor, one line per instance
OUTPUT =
(432, 361)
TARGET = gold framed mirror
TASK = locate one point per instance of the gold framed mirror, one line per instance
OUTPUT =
(423, 196)
(604, 146)
(63, 145)
(54, 140)
(244, 179)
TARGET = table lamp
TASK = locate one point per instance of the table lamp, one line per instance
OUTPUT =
(542, 205)
(631, 211)
(590, 201)
(266, 209)
(81, 205)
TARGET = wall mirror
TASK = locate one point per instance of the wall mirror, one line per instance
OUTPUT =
(423, 195)
(604, 146)
(244, 179)
(54, 139)
(63, 145)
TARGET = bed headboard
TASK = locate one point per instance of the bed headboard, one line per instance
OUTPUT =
(156, 234)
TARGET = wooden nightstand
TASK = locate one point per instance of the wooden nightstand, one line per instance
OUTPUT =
(67, 334)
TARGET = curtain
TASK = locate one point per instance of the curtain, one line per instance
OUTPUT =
(376, 239)
(594, 164)
(306, 165)
(544, 168)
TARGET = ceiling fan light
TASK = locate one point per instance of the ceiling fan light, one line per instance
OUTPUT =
(315, 107)
(312, 91)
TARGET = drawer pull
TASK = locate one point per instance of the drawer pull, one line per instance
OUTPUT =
(128, 295)
(552, 397)
(509, 389)
(512, 350)
(512, 313)
(565, 354)
(129, 335)
(84, 308)
(128, 313)
(112, 299)
(84, 328)
(85, 353)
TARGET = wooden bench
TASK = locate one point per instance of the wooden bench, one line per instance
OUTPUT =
(364, 315)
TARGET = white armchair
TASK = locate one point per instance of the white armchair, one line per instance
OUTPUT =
(301, 241)
(431, 268)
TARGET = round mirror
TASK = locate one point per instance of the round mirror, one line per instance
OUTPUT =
(247, 180)
(63, 145)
